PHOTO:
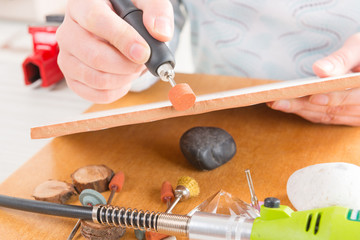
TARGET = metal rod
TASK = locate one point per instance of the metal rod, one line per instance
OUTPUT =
(172, 81)
(75, 229)
(173, 204)
(254, 199)
(168, 203)
(112, 194)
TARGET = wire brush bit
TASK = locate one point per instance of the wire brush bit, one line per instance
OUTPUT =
(186, 188)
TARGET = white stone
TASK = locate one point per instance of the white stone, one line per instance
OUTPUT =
(324, 185)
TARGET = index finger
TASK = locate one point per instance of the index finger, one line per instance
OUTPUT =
(97, 17)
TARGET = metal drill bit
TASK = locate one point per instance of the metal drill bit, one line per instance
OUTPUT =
(74, 230)
(254, 199)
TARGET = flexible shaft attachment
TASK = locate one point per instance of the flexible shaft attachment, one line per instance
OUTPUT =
(199, 226)
(139, 219)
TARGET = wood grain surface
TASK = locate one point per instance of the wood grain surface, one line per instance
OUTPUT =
(216, 100)
(271, 144)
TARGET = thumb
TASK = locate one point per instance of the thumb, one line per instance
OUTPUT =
(158, 18)
(341, 61)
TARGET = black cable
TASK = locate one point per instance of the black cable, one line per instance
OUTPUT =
(55, 209)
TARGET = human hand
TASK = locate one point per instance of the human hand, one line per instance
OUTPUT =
(100, 54)
(342, 107)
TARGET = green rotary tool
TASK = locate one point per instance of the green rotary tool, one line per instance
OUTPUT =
(276, 222)
(280, 222)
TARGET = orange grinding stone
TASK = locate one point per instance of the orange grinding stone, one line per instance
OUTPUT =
(154, 236)
(167, 192)
(182, 97)
(117, 181)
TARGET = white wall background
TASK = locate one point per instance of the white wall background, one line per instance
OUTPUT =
(30, 10)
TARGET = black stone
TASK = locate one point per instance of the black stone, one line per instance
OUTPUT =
(207, 147)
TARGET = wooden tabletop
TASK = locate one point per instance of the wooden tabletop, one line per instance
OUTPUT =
(271, 144)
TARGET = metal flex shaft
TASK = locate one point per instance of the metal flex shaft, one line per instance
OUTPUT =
(199, 226)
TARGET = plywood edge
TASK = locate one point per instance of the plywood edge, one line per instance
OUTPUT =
(205, 103)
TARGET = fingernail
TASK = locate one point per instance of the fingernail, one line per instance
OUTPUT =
(163, 26)
(320, 99)
(139, 53)
(282, 105)
(269, 104)
(326, 65)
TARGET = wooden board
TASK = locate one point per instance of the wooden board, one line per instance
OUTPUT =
(270, 143)
(205, 103)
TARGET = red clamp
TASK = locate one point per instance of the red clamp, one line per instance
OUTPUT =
(43, 62)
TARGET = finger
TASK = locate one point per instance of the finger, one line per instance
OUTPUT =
(92, 51)
(346, 115)
(341, 61)
(92, 77)
(304, 104)
(356, 69)
(290, 105)
(315, 117)
(331, 111)
(158, 16)
(348, 97)
(321, 117)
(96, 95)
(97, 17)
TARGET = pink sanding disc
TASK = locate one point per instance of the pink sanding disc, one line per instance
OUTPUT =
(182, 97)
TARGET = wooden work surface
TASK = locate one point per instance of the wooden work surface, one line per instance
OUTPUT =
(271, 144)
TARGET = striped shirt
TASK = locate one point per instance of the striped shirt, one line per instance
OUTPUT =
(265, 38)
